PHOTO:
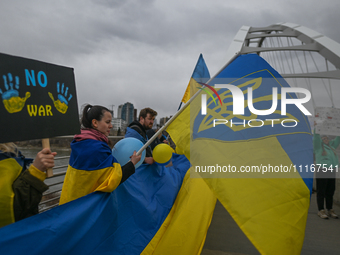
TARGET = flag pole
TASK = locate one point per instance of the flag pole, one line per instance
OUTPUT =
(183, 108)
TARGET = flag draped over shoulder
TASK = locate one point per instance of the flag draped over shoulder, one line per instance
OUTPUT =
(91, 168)
(270, 208)
(121, 222)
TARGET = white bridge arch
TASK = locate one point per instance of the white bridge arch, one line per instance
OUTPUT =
(305, 58)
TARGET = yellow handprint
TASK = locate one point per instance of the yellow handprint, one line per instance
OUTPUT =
(12, 102)
(61, 104)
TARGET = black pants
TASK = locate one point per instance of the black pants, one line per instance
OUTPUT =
(325, 188)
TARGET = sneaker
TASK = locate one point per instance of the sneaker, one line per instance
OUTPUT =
(322, 214)
(332, 214)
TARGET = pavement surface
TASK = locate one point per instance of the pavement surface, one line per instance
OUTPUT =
(225, 237)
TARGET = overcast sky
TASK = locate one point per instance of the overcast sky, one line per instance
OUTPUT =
(144, 52)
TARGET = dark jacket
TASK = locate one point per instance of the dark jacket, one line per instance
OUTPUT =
(28, 192)
(135, 125)
(150, 133)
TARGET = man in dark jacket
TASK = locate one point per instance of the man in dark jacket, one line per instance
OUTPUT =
(137, 129)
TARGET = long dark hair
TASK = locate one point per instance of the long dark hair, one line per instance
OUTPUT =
(92, 112)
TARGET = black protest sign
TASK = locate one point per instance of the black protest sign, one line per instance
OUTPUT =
(39, 100)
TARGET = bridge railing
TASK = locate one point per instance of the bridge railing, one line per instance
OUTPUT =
(51, 197)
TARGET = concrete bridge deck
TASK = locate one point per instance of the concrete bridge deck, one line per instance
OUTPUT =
(225, 238)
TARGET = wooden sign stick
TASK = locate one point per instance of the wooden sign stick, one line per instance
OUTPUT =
(46, 144)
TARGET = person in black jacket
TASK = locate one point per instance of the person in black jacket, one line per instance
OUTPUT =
(21, 183)
(160, 139)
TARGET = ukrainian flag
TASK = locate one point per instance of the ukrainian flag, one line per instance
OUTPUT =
(200, 75)
(91, 168)
(185, 228)
(270, 208)
(158, 210)
(10, 169)
(122, 222)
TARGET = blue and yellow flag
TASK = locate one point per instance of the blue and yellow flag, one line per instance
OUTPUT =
(185, 228)
(122, 222)
(255, 164)
(91, 168)
(10, 169)
(200, 75)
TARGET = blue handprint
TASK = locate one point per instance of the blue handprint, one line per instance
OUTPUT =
(62, 103)
(10, 98)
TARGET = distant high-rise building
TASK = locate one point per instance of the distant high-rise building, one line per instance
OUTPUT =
(126, 112)
(119, 113)
(163, 121)
(135, 114)
(155, 126)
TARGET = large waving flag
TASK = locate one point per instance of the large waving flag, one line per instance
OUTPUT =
(158, 210)
(236, 153)
(121, 222)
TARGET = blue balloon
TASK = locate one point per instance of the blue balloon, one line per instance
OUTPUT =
(124, 149)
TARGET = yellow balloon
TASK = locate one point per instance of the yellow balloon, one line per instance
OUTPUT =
(162, 153)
